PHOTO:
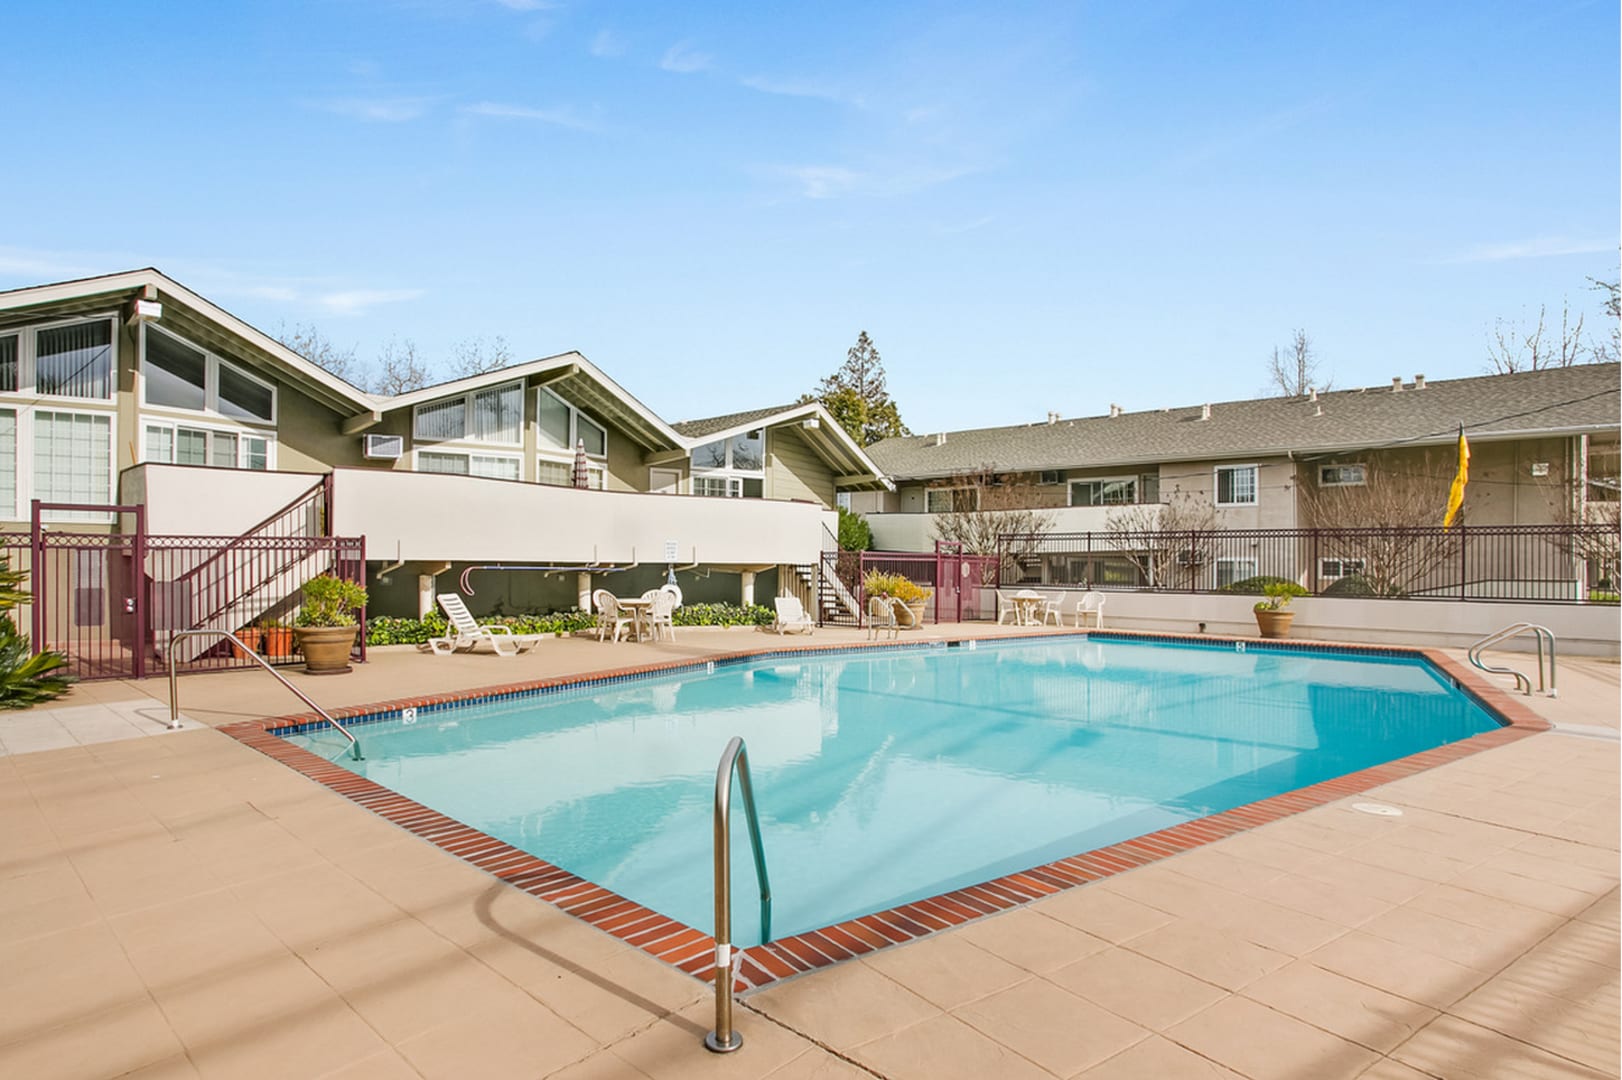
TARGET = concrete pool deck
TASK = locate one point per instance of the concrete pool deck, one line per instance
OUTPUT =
(183, 906)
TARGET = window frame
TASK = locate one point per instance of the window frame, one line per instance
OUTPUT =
(174, 424)
(1070, 489)
(953, 508)
(576, 415)
(28, 362)
(729, 469)
(596, 471)
(1361, 481)
(467, 437)
(1361, 565)
(732, 486)
(26, 493)
(1255, 484)
(212, 363)
(469, 454)
(1233, 560)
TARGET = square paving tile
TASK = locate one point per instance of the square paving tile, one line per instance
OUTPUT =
(1135, 987)
(1056, 1029)
(1265, 1044)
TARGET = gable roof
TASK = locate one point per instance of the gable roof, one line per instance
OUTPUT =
(698, 429)
(583, 383)
(853, 469)
(195, 317)
(1550, 401)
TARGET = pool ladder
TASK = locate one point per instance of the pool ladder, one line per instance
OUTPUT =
(724, 1040)
(174, 685)
(1542, 633)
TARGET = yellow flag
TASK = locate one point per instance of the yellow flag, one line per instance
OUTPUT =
(1455, 495)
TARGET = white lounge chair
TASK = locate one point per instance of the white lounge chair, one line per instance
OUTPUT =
(791, 616)
(609, 616)
(1091, 603)
(881, 616)
(466, 632)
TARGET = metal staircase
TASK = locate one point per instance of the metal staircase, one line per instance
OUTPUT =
(253, 574)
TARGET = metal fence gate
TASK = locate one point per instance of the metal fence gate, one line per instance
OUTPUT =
(962, 585)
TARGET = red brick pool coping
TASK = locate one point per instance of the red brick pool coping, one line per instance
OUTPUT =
(693, 951)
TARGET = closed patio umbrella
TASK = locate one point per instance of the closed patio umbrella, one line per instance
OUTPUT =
(582, 469)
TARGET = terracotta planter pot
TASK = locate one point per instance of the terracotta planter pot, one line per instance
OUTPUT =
(251, 636)
(916, 609)
(326, 648)
(1275, 624)
(278, 642)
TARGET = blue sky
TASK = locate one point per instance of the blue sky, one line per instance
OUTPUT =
(1028, 206)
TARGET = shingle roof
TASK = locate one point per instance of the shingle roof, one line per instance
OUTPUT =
(697, 429)
(1558, 399)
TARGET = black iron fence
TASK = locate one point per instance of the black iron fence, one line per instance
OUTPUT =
(1533, 563)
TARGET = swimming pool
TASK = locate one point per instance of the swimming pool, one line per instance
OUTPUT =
(884, 776)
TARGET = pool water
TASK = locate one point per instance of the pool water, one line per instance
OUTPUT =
(884, 776)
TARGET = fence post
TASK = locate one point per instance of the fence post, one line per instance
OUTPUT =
(1316, 563)
(1464, 553)
(36, 556)
(138, 577)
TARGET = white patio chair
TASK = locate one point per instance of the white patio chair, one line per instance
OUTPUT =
(1050, 610)
(881, 616)
(1091, 603)
(1007, 610)
(662, 612)
(466, 632)
(609, 616)
(791, 616)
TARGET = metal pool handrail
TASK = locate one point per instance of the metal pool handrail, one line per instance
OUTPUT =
(724, 1040)
(174, 685)
(1541, 633)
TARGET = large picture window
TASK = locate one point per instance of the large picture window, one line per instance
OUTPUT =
(491, 466)
(182, 444)
(8, 464)
(562, 426)
(176, 374)
(1236, 485)
(731, 468)
(75, 361)
(8, 362)
(1114, 492)
(72, 457)
(952, 500)
(492, 415)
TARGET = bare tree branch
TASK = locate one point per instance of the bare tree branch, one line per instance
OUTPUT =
(1293, 370)
(987, 506)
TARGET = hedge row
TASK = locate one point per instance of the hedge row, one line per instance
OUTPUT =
(390, 630)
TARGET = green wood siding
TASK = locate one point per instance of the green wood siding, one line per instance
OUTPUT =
(794, 471)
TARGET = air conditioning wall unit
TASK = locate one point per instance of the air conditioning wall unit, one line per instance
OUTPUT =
(385, 447)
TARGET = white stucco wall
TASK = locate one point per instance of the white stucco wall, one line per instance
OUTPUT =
(1581, 629)
(184, 500)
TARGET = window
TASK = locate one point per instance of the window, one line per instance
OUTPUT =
(1229, 571)
(842, 499)
(75, 361)
(959, 500)
(72, 457)
(561, 474)
(1103, 492)
(183, 444)
(176, 374)
(491, 466)
(1343, 475)
(8, 362)
(562, 425)
(1052, 476)
(8, 463)
(720, 487)
(741, 462)
(492, 415)
(1236, 485)
(1339, 568)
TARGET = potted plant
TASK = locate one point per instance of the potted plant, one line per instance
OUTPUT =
(250, 636)
(278, 639)
(1273, 615)
(326, 625)
(911, 594)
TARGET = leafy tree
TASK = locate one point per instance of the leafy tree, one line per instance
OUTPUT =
(855, 534)
(857, 398)
(24, 680)
(1293, 370)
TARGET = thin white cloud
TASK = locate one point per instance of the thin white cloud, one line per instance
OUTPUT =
(607, 44)
(1542, 247)
(390, 110)
(357, 301)
(561, 116)
(683, 59)
(801, 88)
(529, 5)
(31, 265)
(824, 181)
(838, 181)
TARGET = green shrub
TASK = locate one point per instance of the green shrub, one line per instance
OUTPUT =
(329, 600)
(24, 679)
(855, 534)
(392, 630)
(1255, 586)
(1352, 585)
(1279, 594)
(903, 588)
